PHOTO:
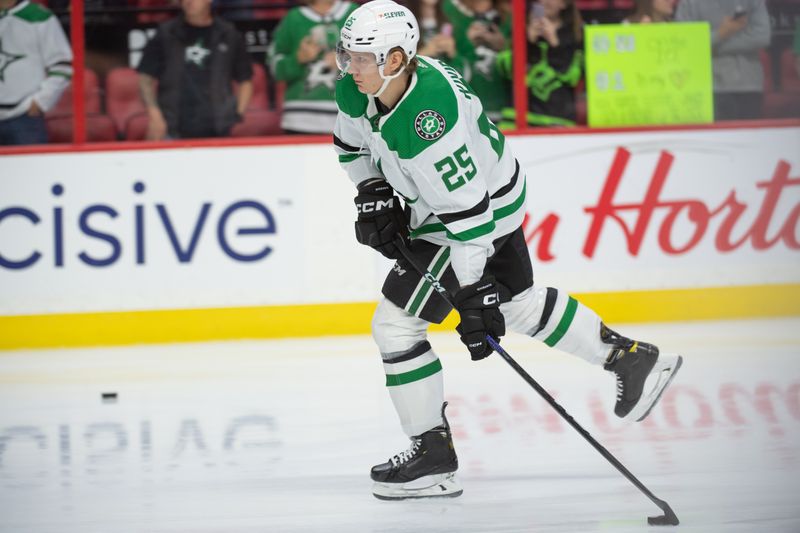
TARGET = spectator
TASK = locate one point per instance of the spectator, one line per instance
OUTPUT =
(739, 30)
(436, 33)
(648, 11)
(555, 64)
(35, 68)
(193, 59)
(481, 31)
(303, 54)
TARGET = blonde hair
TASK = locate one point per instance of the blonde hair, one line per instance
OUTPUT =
(409, 66)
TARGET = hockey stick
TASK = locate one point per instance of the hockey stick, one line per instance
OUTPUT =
(669, 518)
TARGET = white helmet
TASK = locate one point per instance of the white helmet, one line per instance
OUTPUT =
(377, 27)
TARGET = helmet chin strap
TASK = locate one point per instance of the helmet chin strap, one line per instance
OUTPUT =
(386, 79)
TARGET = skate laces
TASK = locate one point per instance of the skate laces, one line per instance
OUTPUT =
(404, 457)
(620, 386)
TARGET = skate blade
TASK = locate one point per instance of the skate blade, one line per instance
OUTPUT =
(664, 371)
(434, 486)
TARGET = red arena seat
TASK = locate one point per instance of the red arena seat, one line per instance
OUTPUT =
(260, 98)
(91, 97)
(258, 123)
(98, 128)
(136, 127)
(122, 96)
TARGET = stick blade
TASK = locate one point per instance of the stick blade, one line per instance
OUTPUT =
(668, 519)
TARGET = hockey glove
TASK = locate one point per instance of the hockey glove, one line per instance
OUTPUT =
(479, 307)
(380, 218)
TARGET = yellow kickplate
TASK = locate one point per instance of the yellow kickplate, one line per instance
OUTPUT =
(192, 325)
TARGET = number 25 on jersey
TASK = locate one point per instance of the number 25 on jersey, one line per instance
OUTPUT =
(451, 172)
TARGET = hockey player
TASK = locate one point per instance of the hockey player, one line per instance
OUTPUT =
(410, 127)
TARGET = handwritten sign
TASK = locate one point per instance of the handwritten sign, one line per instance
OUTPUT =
(646, 74)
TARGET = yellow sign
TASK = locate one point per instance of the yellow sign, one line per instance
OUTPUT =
(649, 74)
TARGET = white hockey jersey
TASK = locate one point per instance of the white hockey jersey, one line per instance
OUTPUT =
(440, 152)
(35, 59)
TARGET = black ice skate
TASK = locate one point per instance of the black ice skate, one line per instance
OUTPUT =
(633, 362)
(426, 470)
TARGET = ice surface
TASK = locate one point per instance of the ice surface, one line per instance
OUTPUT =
(258, 436)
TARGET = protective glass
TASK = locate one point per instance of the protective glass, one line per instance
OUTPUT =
(354, 62)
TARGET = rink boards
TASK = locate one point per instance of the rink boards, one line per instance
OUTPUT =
(116, 247)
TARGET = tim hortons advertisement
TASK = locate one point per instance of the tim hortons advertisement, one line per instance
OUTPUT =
(663, 210)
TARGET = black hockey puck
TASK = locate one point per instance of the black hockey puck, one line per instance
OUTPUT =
(108, 397)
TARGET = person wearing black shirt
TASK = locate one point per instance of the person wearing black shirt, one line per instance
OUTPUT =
(192, 60)
(555, 64)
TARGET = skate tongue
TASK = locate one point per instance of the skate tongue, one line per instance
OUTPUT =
(614, 354)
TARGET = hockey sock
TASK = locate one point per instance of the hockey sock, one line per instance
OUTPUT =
(572, 327)
(415, 384)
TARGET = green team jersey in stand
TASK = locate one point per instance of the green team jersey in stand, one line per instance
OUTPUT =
(479, 62)
(440, 152)
(309, 99)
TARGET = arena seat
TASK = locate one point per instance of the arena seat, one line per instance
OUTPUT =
(99, 128)
(258, 123)
(122, 96)
(135, 128)
(91, 97)
(783, 102)
(260, 99)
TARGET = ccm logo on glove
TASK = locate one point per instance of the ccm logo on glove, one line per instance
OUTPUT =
(380, 218)
(374, 207)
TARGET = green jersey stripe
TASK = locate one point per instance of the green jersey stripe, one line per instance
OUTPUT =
(473, 233)
(348, 158)
(62, 74)
(393, 380)
(511, 208)
(563, 324)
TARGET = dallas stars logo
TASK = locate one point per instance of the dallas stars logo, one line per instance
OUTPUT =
(197, 54)
(429, 125)
(6, 59)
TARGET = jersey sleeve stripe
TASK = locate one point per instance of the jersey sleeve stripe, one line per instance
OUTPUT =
(505, 189)
(478, 209)
(497, 214)
(344, 146)
(509, 209)
(349, 158)
(473, 233)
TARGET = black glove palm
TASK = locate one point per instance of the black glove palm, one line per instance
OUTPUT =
(479, 307)
(380, 218)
